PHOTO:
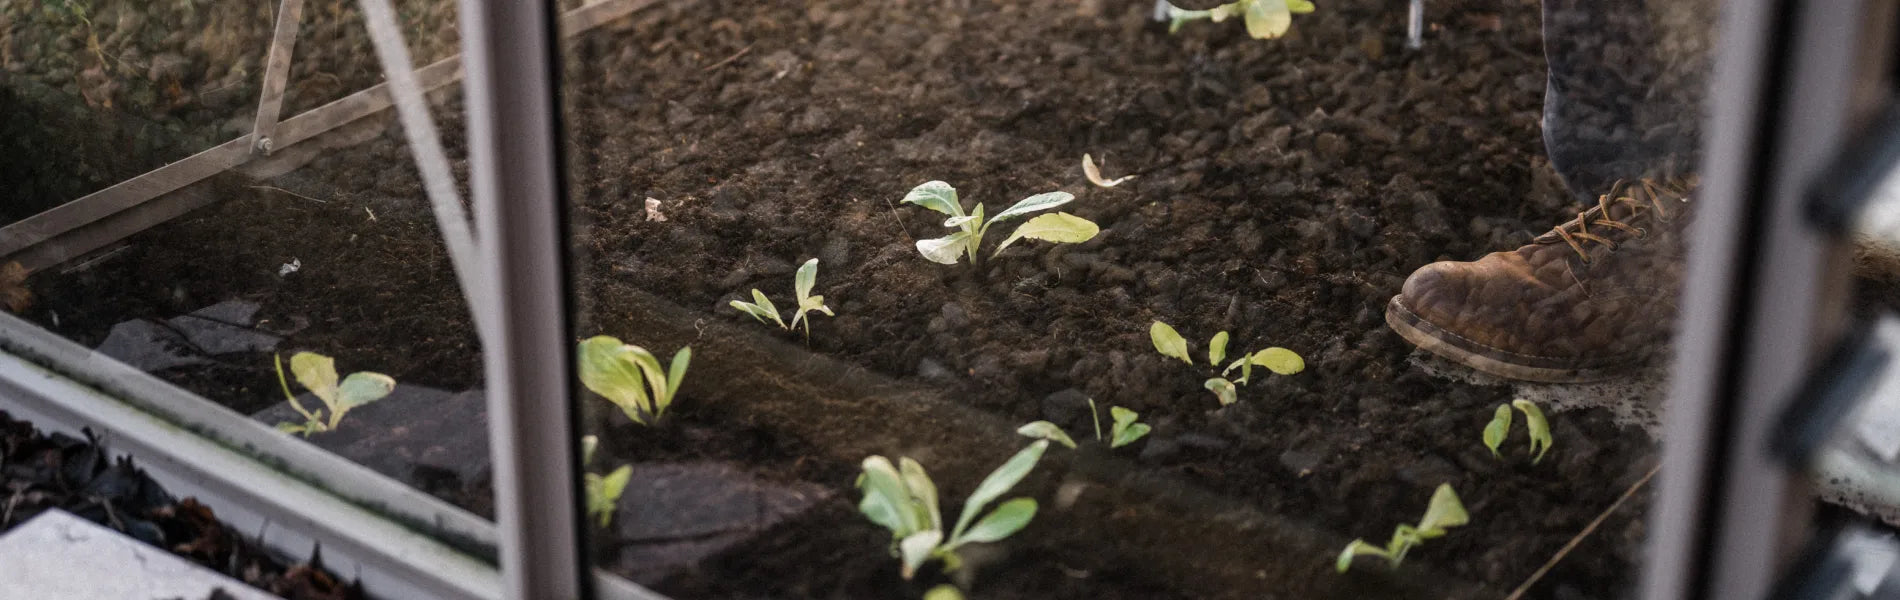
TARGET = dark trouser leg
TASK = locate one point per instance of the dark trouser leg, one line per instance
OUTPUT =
(1623, 99)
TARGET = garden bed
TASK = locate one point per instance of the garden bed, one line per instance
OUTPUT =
(1284, 190)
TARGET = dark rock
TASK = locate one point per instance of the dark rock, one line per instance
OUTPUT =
(149, 346)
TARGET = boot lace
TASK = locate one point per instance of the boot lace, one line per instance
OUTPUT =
(1643, 199)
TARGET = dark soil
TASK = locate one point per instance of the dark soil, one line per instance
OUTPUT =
(1285, 189)
(39, 473)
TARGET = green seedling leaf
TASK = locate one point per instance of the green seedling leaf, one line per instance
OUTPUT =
(1495, 431)
(1444, 512)
(1061, 228)
(1008, 518)
(1038, 202)
(944, 592)
(1095, 418)
(1217, 349)
(317, 373)
(291, 428)
(1245, 362)
(1279, 360)
(1223, 389)
(1299, 7)
(937, 196)
(1268, 19)
(1169, 342)
(886, 498)
(362, 388)
(758, 312)
(675, 374)
(1126, 430)
(1044, 430)
(588, 445)
(1539, 427)
(922, 490)
(1355, 549)
(998, 482)
(806, 277)
(917, 548)
(609, 368)
(945, 250)
(603, 493)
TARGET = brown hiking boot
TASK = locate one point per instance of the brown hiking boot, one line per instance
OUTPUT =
(1592, 296)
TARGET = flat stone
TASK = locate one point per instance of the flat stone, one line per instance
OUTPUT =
(149, 346)
(188, 340)
(434, 440)
(672, 515)
(58, 555)
(225, 328)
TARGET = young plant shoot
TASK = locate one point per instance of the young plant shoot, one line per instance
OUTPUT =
(1125, 430)
(1500, 426)
(1266, 19)
(1444, 512)
(317, 373)
(1061, 228)
(603, 492)
(761, 308)
(1281, 361)
(630, 377)
(903, 499)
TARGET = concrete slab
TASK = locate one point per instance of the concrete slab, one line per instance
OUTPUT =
(58, 555)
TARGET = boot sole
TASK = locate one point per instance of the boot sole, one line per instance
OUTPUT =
(1436, 340)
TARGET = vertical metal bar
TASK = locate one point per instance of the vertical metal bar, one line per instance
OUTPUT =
(270, 102)
(1415, 25)
(438, 181)
(514, 167)
(1762, 294)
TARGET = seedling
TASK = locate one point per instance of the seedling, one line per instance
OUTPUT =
(1444, 512)
(1281, 361)
(317, 373)
(1094, 173)
(944, 592)
(603, 492)
(904, 500)
(1534, 421)
(761, 308)
(630, 377)
(1061, 228)
(1266, 19)
(1125, 430)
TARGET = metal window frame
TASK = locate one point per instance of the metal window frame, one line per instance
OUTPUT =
(1765, 291)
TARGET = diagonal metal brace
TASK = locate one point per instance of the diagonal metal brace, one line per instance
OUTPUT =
(270, 100)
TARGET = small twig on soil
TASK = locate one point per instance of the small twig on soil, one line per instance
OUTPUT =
(900, 220)
(278, 189)
(729, 59)
(1518, 593)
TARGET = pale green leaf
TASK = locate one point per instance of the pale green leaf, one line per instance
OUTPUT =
(886, 500)
(291, 428)
(317, 373)
(1279, 360)
(1217, 349)
(1445, 511)
(362, 388)
(1499, 427)
(589, 443)
(1038, 202)
(1044, 430)
(1169, 342)
(937, 196)
(1539, 427)
(1268, 19)
(1061, 228)
(998, 482)
(1094, 173)
(607, 368)
(917, 547)
(765, 305)
(1354, 549)
(1129, 435)
(944, 592)
(959, 221)
(922, 490)
(1122, 416)
(806, 277)
(675, 374)
(1223, 389)
(757, 312)
(1299, 7)
(945, 250)
(1008, 518)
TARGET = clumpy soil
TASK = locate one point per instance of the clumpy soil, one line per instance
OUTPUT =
(43, 472)
(1284, 189)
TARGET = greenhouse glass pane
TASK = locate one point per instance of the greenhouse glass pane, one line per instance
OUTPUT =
(325, 245)
(1237, 256)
